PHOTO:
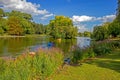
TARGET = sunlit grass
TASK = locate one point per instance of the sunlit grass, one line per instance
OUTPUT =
(103, 68)
(31, 67)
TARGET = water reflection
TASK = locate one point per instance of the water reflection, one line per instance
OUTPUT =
(16, 46)
(83, 41)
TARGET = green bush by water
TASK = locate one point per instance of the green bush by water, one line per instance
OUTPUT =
(79, 54)
(30, 67)
(96, 49)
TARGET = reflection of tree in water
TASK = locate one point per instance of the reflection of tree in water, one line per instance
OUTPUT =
(12, 46)
(15, 46)
(2, 45)
(66, 45)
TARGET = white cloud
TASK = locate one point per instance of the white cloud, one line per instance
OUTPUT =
(79, 21)
(106, 18)
(24, 6)
(85, 18)
(46, 16)
(81, 27)
(82, 18)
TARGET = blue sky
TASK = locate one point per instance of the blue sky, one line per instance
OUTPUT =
(84, 13)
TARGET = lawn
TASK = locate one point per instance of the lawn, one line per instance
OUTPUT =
(102, 68)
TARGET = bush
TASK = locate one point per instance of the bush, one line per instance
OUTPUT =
(77, 55)
(115, 44)
(30, 67)
(101, 48)
(80, 54)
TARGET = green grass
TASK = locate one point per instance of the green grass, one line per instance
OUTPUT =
(31, 67)
(102, 68)
(35, 35)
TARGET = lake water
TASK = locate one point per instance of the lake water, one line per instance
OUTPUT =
(16, 46)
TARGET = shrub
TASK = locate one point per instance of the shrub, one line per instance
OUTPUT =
(77, 55)
(80, 54)
(101, 48)
(30, 67)
(115, 44)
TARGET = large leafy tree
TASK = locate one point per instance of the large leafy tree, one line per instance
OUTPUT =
(20, 15)
(15, 28)
(99, 33)
(3, 26)
(24, 20)
(87, 33)
(114, 28)
(62, 27)
(1, 13)
(39, 28)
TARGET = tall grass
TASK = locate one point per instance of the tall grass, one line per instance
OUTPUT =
(31, 67)
(96, 49)
(80, 54)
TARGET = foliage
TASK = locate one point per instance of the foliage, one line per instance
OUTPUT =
(87, 34)
(114, 28)
(77, 55)
(32, 67)
(114, 44)
(39, 28)
(24, 21)
(1, 13)
(103, 68)
(19, 23)
(96, 49)
(84, 34)
(106, 30)
(22, 24)
(100, 33)
(62, 27)
(1, 30)
(80, 54)
(101, 48)
(15, 28)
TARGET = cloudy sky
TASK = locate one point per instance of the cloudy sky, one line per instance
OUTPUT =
(84, 13)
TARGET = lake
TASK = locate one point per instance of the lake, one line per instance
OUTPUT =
(13, 46)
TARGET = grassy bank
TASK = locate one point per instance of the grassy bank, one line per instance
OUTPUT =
(32, 35)
(103, 68)
(37, 66)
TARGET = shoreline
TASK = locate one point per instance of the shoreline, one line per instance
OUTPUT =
(10, 36)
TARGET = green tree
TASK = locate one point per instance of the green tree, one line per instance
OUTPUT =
(80, 34)
(114, 28)
(20, 15)
(1, 30)
(1, 13)
(15, 28)
(39, 28)
(3, 24)
(24, 20)
(62, 27)
(99, 33)
(87, 33)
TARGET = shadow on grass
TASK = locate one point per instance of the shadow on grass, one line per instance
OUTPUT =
(114, 65)
(111, 61)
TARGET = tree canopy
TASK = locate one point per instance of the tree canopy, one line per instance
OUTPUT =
(19, 23)
(62, 27)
